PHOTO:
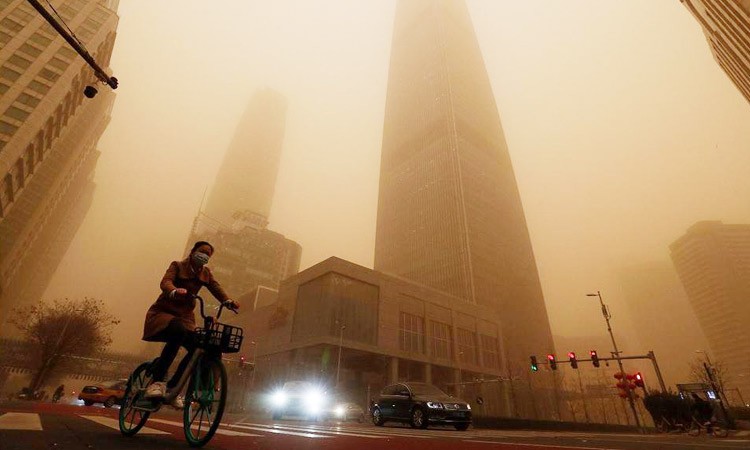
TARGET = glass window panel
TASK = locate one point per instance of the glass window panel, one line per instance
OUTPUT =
(30, 50)
(16, 113)
(7, 128)
(38, 87)
(9, 74)
(19, 61)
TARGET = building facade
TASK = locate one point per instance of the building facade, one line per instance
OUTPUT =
(357, 330)
(48, 138)
(247, 176)
(726, 24)
(250, 259)
(713, 262)
(449, 211)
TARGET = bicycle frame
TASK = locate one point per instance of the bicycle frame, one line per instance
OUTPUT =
(198, 352)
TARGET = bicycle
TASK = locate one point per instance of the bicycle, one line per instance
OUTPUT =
(207, 391)
(712, 427)
(665, 425)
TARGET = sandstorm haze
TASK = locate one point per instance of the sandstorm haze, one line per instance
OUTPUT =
(622, 130)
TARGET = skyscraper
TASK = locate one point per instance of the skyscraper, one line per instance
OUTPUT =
(247, 177)
(713, 262)
(48, 138)
(726, 24)
(248, 254)
(449, 211)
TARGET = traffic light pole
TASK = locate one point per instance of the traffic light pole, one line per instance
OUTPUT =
(607, 316)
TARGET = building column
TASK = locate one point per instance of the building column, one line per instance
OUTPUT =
(393, 370)
(428, 373)
(457, 382)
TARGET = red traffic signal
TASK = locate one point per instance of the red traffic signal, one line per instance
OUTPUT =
(552, 361)
(573, 360)
(242, 361)
(594, 358)
(639, 380)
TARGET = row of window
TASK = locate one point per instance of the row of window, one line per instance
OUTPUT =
(412, 339)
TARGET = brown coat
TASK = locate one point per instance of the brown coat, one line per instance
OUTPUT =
(180, 274)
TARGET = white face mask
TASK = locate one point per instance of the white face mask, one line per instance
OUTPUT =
(200, 259)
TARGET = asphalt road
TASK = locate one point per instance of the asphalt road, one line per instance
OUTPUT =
(31, 426)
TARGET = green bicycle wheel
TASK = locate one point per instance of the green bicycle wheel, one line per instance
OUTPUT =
(131, 419)
(205, 400)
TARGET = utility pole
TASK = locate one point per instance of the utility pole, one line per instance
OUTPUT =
(607, 316)
(338, 364)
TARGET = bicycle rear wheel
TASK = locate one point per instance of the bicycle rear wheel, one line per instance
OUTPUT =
(719, 430)
(205, 401)
(131, 419)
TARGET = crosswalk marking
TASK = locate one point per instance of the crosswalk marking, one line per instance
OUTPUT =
(333, 431)
(115, 424)
(20, 421)
(282, 431)
(218, 431)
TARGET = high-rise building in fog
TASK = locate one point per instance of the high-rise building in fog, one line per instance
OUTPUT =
(449, 212)
(48, 138)
(726, 24)
(713, 262)
(663, 319)
(249, 254)
(247, 177)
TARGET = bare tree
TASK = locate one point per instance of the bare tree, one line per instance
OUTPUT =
(80, 328)
(698, 373)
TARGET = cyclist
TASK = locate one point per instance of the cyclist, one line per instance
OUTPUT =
(58, 393)
(171, 320)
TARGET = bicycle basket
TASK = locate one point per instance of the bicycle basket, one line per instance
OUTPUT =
(221, 337)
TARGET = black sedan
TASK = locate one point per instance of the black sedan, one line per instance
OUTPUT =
(420, 404)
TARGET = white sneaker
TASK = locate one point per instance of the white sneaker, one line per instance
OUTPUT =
(156, 389)
(178, 402)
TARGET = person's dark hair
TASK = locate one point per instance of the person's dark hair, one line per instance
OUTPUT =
(198, 244)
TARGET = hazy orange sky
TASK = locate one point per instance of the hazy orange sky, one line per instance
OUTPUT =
(622, 129)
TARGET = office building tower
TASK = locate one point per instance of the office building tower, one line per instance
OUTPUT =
(726, 24)
(449, 211)
(247, 177)
(48, 138)
(713, 262)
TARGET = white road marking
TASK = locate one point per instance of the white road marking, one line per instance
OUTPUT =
(280, 431)
(334, 431)
(218, 430)
(20, 421)
(519, 444)
(115, 424)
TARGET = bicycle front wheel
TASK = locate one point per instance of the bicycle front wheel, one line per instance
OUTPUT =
(720, 430)
(204, 402)
(131, 419)
(695, 428)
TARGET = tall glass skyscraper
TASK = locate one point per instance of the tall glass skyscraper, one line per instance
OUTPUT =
(48, 138)
(449, 212)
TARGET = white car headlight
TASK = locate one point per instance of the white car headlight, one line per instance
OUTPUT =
(278, 399)
(314, 398)
(339, 411)
(468, 406)
(434, 405)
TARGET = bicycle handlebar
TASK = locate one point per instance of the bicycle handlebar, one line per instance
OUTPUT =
(218, 314)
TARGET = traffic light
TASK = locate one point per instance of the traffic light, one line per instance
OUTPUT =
(639, 380)
(242, 361)
(573, 360)
(622, 384)
(594, 358)
(534, 364)
(552, 361)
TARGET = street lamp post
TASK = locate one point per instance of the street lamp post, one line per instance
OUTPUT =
(255, 368)
(338, 364)
(607, 316)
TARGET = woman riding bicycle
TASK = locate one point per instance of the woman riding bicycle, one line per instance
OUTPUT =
(171, 320)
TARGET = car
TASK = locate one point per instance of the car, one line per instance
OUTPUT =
(421, 405)
(348, 411)
(109, 394)
(299, 398)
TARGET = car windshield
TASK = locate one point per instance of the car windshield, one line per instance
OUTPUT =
(425, 389)
(296, 386)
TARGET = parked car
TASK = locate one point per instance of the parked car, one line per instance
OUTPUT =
(109, 394)
(420, 404)
(348, 411)
(299, 398)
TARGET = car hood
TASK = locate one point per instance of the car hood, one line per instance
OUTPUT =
(440, 398)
